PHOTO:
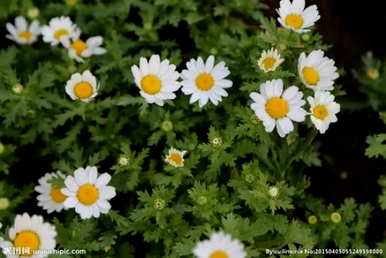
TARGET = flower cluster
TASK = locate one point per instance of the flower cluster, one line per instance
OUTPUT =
(157, 81)
(60, 30)
(277, 106)
(204, 81)
(85, 190)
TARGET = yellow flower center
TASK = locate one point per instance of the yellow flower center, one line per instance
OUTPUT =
(25, 35)
(204, 81)
(88, 194)
(268, 63)
(83, 90)
(27, 241)
(320, 112)
(60, 33)
(176, 158)
(219, 254)
(151, 84)
(311, 76)
(277, 107)
(294, 20)
(57, 195)
(79, 46)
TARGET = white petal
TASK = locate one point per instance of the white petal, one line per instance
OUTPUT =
(71, 184)
(298, 115)
(21, 23)
(70, 202)
(80, 176)
(93, 174)
(209, 64)
(103, 180)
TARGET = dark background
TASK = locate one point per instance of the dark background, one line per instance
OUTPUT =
(351, 28)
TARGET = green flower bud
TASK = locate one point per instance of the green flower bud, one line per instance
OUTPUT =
(17, 88)
(4, 203)
(312, 219)
(159, 204)
(33, 13)
(123, 161)
(213, 51)
(373, 73)
(217, 141)
(273, 191)
(335, 217)
(202, 200)
(250, 178)
(167, 126)
(306, 37)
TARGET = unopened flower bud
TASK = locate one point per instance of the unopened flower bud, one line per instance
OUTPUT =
(33, 13)
(335, 217)
(202, 200)
(17, 88)
(273, 191)
(159, 204)
(312, 219)
(216, 141)
(373, 73)
(167, 125)
(123, 161)
(4, 203)
(306, 37)
(250, 178)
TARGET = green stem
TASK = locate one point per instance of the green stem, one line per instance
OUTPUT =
(304, 146)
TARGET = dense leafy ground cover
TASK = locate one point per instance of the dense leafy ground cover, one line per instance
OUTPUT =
(221, 149)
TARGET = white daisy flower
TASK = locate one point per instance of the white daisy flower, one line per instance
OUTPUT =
(175, 157)
(276, 108)
(28, 237)
(82, 87)
(79, 49)
(270, 60)
(317, 71)
(220, 245)
(293, 16)
(88, 193)
(21, 32)
(205, 81)
(156, 80)
(323, 110)
(50, 198)
(60, 30)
